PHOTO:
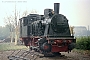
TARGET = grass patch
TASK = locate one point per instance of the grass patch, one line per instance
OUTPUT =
(11, 46)
(87, 52)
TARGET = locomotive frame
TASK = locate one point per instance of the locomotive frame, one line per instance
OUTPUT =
(48, 33)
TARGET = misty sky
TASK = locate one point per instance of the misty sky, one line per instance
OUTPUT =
(76, 11)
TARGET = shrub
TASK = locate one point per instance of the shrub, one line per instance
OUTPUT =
(83, 43)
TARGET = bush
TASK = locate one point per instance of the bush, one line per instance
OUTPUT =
(83, 43)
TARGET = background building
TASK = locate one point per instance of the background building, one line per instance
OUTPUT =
(81, 31)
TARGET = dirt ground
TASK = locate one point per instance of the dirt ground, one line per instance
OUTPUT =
(65, 56)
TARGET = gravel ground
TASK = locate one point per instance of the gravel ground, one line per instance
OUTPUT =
(65, 56)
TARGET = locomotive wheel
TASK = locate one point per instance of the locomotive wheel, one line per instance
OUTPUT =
(46, 47)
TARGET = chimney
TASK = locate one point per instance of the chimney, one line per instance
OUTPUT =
(56, 8)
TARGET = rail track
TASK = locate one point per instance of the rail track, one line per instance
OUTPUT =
(29, 55)
(23, 55)
(32, 55)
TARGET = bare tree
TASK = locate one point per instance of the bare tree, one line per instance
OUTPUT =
(17, 16)
(71, 30)
(9, 20)
(12, 22)
(25, 13)
(33, 11)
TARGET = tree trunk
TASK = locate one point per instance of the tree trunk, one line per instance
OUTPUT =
(16, 36)
(11, 36)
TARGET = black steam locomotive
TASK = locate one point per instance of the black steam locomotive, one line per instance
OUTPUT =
(48, 33)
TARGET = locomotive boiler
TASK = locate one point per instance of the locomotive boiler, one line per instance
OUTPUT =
(48, 33)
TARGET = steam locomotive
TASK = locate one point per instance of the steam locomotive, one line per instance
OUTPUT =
(48, 33)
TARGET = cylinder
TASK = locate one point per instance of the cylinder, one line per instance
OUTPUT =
(56, 8)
